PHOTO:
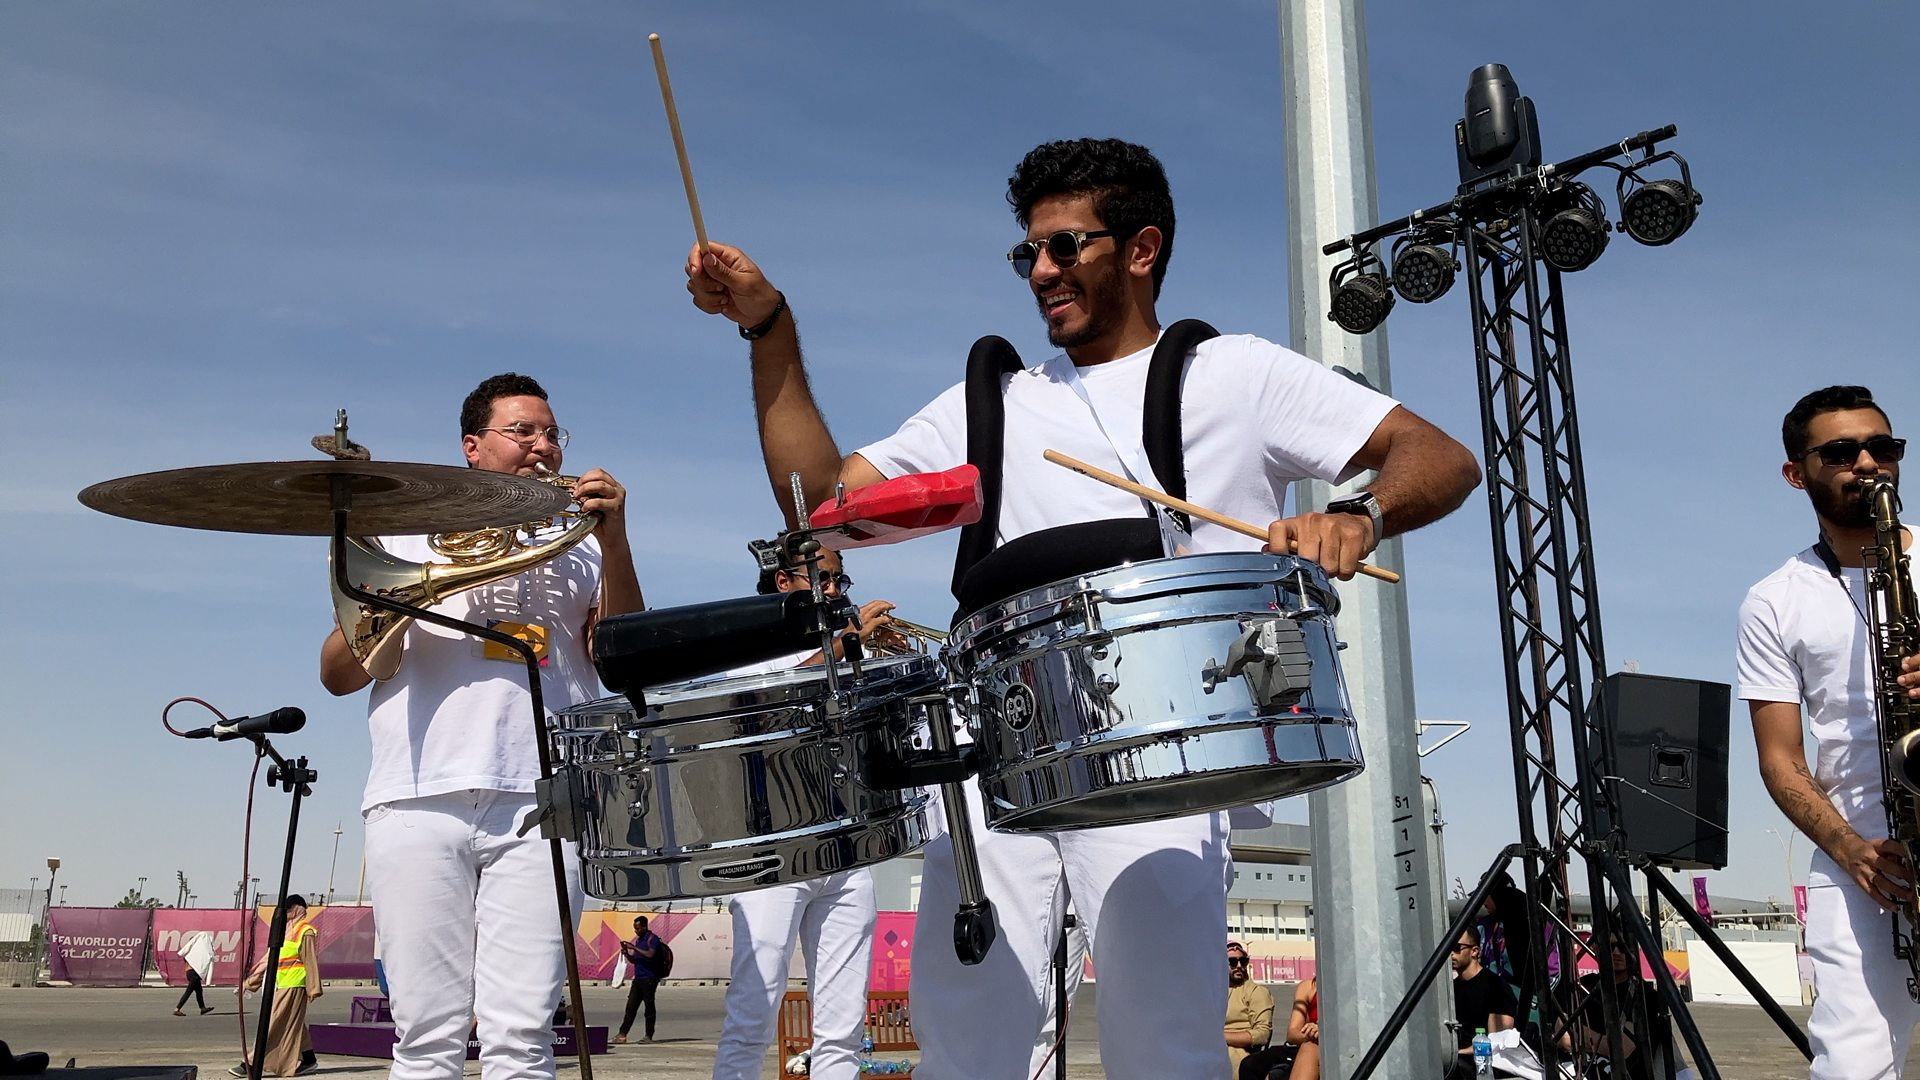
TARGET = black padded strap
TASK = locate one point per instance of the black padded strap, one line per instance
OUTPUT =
(992, 358)
(1160, 416)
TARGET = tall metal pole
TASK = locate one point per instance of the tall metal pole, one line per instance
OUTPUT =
(1374, 900)
(335, 863)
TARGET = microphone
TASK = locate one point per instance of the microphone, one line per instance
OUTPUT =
(277, 722)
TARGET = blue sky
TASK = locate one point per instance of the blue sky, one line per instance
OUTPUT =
(221, 222)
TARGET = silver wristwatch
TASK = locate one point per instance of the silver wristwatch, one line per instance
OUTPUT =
(1360, 502)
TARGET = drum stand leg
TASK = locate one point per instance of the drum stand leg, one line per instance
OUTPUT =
(973, 929)
(545, 812)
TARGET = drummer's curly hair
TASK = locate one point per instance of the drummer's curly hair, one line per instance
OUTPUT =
(1126, 182)
(478, 408)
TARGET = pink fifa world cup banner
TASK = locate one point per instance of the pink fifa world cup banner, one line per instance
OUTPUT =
(173, 926)
(1700, 902)
(97, 946)
(1800, 904)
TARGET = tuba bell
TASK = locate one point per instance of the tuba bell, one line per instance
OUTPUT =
(475, 558)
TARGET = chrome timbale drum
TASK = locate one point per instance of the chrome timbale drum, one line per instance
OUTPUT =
(1156, 690)
(730, 784)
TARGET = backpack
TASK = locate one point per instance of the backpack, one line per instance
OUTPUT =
(662, 960)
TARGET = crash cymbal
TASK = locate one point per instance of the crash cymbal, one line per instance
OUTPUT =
(294, 498)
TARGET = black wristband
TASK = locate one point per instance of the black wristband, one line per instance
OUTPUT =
(755, 333)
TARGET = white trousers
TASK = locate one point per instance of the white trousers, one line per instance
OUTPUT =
(1152, 899)
(1862, 1023)
(469, 931)
(833, 917)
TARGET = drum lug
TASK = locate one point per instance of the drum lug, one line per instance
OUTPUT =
(1272, 654)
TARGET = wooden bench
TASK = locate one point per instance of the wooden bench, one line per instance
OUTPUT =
(887, 1022)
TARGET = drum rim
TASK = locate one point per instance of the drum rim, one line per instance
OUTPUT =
(984, 623)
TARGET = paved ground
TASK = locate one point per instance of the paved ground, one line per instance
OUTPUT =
(127, 1027)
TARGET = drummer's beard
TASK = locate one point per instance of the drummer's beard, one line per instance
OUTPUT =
(1105, 298)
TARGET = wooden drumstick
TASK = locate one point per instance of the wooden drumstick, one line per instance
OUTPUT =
(679, 142)
(1184, 506)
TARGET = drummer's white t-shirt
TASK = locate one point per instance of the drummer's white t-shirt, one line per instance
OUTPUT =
(1255, 417)
(1803, 640)
(452, 718)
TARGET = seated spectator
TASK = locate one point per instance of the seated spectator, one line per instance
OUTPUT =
(1643, 1042)
(1249, 1024)
(1481, 1000)
(1303, 1031)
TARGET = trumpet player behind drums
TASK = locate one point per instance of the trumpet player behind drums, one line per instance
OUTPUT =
(1828, 641)
(831, 917)
(467, 927)
(878, 630)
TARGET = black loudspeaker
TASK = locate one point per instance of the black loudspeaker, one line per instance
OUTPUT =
(1670, 739)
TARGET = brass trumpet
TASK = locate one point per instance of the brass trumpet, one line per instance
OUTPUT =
(914, 639)
(475, 558)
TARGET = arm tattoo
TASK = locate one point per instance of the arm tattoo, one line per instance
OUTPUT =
(1799, 797)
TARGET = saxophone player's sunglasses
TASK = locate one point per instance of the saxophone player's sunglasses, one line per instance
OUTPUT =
(1884, 448)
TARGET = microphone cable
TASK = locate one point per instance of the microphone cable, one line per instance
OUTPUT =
(248, 930)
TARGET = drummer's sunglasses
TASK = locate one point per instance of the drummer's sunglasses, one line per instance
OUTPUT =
(1062, 247)
(1884, 448)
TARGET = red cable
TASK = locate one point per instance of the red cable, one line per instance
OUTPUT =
(246, 855)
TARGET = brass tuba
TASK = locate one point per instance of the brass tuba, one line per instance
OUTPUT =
(475, 558)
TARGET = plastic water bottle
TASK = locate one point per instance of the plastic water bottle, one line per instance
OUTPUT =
(866, 1044)
(1482, 1053)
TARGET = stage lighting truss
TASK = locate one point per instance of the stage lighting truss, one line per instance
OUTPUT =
(1570, 227)
(1361, 296)
(1424, 262)
(1657, 212)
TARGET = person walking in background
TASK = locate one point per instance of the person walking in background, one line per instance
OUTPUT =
(296, 982)
(196, 952)
(646, 952)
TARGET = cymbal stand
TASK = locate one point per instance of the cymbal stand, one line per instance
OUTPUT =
(294, 778)
(546, 816)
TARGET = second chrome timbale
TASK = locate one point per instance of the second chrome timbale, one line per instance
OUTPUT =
(1157, 690)
(730, 784)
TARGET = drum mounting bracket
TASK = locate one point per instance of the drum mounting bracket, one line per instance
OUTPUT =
(1272, 654)
(557, 805)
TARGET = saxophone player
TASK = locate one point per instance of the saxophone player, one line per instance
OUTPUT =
(468, 932)
(1808, 652)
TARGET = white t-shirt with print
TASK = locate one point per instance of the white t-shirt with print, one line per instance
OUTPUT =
(451, 718)
(1255, 417)
(1803, 640)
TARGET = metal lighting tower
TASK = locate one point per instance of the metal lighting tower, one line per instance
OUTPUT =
(1375, 898)
(1520, 225)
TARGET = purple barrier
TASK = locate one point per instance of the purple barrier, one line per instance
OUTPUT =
(98, 946)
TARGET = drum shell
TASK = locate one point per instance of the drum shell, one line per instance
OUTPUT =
(731, 784)
(1091, 703)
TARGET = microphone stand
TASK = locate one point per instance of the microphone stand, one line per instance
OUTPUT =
(294, 778)
(341, 490)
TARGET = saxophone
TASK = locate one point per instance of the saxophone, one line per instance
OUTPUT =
(1894, 620)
